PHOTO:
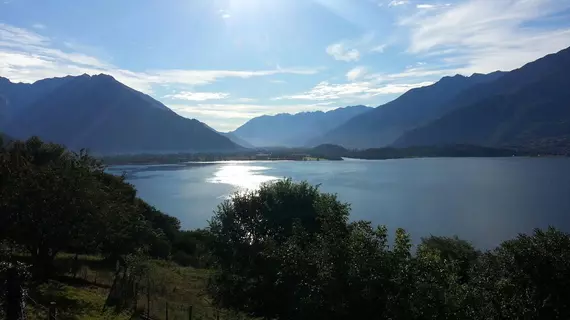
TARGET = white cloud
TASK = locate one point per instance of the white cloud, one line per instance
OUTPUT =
(198, 96)
(484, 36)
(38, 26)
(224, 14)
(19, 36)
(355, 73)
(411, 74)
(356, 90)
(245, 100)
(350, 50)
(432, 5)
(27, 56)
(278, 81)
(395, 3)
(339, 51)
(379, 48)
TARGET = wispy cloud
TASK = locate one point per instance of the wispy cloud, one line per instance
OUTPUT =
(245, 100)
(325, 91)
(484, 36)
(355, 73)
(38, 26)
(224, 14)
(350, 50)
(427, 6)
(341, 52)
(27, 56)
(197, 96)
(412, 74)
(379, 48)
(395, 3)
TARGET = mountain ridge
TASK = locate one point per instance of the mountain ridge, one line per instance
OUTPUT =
(100, 113)
(382, 125)
(293, 130)
(527, 107)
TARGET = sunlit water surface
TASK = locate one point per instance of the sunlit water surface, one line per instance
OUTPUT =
(485, 200)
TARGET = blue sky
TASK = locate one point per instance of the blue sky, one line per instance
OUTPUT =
(226, 61)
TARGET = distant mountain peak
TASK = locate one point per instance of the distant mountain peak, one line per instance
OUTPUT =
(99, 113)
(297, 129)
(526, 107)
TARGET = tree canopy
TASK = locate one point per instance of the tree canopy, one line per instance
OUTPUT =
(54, 200)
(288, 251)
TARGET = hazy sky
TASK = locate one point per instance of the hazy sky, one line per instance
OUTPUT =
(225, 61)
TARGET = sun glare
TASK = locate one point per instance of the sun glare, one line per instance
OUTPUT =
(252, 8)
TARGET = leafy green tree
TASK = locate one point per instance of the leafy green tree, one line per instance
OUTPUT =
(193, 247)
(50, 203)
(526, 278)
(450, 249)
(247, 233)
(170, 226)
(55, 200)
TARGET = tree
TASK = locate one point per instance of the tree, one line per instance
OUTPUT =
(50, 199)
(527, 277)
(55, 200)
(248, 232)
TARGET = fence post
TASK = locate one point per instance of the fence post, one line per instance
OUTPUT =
(190, 313)
(52, 311)
(166, 311)
(147, 296)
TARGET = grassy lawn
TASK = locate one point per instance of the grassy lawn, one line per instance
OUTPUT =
(83, 296)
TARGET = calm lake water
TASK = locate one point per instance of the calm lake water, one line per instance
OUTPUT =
(484, 200)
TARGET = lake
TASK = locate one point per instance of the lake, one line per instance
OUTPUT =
(484, 200)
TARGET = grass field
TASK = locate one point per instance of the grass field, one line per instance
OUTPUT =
(176, 289)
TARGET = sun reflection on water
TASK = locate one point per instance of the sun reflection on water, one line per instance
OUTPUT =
(242, 176)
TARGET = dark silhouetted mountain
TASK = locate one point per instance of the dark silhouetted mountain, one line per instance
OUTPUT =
(383, 125)
(535, 116)
(3, 109)
(105, 116)
(18, 96)
(294, 130)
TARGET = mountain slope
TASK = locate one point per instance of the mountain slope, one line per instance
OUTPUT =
(383, 125)
(18, 96)
(233, 138)
(535, 116)
(529, 107)
(294, 130)
(237, 140)
(100, 113)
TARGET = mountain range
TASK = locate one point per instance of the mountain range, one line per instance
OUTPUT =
(294, 130)
(526, 108)
(381, 126)
(103, 115)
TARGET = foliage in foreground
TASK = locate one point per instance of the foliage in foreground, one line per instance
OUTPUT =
(53, 200)
(287, 251)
